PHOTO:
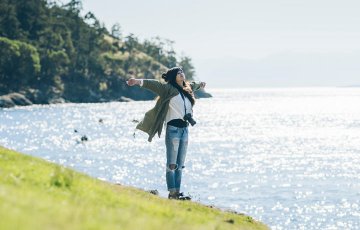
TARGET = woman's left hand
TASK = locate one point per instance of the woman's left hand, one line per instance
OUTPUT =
(202, 84)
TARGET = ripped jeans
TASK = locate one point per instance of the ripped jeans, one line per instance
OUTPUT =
(176, 141)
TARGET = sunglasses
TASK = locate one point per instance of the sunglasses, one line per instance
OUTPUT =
(180, 72)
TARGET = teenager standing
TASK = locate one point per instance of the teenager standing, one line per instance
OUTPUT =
(174, 108)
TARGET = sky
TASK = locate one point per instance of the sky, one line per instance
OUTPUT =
(257, 43)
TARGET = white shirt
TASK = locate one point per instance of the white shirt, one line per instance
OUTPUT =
(176, 108)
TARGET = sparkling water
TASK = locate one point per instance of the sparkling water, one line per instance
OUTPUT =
(289, 157)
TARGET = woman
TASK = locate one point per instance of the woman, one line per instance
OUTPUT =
(174, 107)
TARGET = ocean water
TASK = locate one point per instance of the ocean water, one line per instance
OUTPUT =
(289, 157)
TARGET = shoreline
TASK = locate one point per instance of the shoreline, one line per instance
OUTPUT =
(19, 99)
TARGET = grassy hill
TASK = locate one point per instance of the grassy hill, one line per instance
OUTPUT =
(36, 194)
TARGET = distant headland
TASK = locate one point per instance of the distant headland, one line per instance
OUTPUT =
(52, 54)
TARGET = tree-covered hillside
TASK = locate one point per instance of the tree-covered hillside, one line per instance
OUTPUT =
(50, 53)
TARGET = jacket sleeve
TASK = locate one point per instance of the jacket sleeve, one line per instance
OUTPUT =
(195, 86)
(154, 86)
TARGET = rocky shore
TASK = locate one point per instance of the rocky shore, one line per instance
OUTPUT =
(29, 98)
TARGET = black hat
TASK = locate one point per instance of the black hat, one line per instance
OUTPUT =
(171, 74)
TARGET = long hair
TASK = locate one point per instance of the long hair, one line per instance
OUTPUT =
(170, 78)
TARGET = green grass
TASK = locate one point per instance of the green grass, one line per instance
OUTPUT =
(36, 194)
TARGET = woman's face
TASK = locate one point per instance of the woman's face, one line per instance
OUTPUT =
(180, 78)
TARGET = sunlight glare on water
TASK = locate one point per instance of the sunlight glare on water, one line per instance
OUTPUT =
(288, 156)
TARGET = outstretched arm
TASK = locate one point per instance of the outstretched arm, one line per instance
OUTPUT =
(153, 85)
(133, 81)
(197, 85)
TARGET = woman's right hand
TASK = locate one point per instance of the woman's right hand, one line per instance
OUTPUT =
(132, 82)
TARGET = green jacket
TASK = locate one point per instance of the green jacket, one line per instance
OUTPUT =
(155, 117)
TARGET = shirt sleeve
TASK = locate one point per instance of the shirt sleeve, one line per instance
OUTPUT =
(154, 86)
(195, 85)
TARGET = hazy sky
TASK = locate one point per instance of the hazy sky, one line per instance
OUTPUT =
(256, 43)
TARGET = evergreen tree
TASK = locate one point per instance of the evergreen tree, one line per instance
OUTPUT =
(19, 65)
(49, 48)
